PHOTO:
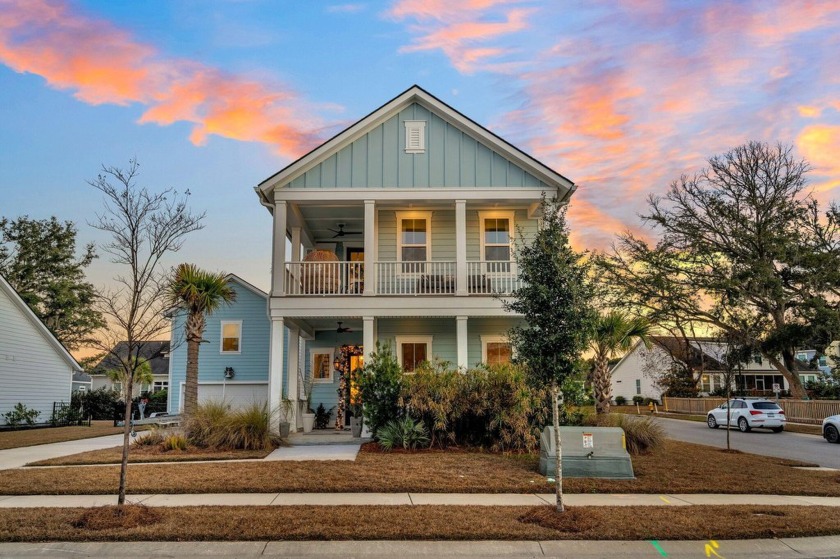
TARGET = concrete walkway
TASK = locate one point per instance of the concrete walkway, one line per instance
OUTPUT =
(784, 548)
(412, 499)
(316, 452)
(18, 457)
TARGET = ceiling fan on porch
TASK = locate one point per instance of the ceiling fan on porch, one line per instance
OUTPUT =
(341, 232)
(341, 329)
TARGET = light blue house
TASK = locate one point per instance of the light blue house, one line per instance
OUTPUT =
(401, 230)
(234, 358)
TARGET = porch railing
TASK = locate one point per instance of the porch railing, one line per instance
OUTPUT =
(415, 278)
(325, 278)
(489, 277)
(399, 278)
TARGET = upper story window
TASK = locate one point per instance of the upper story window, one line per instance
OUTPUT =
(231, 336)
(414, 237)
(415, 136)
(496, 239)
(413, 350)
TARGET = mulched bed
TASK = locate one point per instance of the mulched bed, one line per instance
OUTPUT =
(415, 523)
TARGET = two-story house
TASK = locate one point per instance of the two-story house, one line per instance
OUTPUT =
(400, 230)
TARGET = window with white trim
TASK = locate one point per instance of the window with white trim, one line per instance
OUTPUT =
(638, 387)
(160, 385)
(496, 350)
(496, 239)
(231, 336)
(322, 365)
(414, 239)
(413, 350)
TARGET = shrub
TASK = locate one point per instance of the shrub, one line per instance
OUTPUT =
(154, 437)
(96, 404)
(322, 417)
(638, 399)
(204, 423)
(380, 383)
(21, 414)
(405, 433)
(491, 407)
(174, 441)
(247, 428)
(620, 400)
(642, 435)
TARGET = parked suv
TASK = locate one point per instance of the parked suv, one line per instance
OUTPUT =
(748, 414)
(831, 428)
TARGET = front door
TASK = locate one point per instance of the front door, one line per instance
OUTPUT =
(356, 271)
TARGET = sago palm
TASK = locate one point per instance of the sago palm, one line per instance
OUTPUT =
(614, 333)
(199, 293)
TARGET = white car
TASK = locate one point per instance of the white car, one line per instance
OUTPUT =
(748, 414)
(831, 428)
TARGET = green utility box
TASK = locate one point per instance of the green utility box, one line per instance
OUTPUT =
(587, 452)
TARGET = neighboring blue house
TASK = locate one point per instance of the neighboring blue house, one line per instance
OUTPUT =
(233, 360)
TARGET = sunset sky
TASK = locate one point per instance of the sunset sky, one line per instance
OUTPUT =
(621, 97)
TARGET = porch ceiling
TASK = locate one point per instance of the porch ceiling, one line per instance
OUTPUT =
(320, 219)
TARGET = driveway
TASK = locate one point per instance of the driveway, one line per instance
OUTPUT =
(794, 446)
(17, 457)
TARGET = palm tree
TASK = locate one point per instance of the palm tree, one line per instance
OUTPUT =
(142, 375)
(614, 333)
(199, 293)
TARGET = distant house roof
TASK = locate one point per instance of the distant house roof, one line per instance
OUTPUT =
(81, 377)
(156, 352)
(14, 297)
(705, 353)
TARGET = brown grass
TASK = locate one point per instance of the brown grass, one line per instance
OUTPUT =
(678, 468)
(45, 435)
(140, 454)
(415, 523)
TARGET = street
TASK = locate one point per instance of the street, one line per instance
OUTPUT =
(794, 446)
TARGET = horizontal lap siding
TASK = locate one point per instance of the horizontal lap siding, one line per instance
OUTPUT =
(442, 331)
(32, 371)
(251, 364)
(452, 159)
(477, 327)
(327, 393)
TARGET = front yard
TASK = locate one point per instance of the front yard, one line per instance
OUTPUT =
(44, 435)
(678, 468)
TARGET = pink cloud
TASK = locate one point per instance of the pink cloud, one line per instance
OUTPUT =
(104, 64)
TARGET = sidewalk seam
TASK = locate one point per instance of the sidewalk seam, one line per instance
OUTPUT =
(787, 545)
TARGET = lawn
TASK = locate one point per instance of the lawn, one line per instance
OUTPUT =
(45, 435)
(141, 454)
(678, 468)
(138, 523)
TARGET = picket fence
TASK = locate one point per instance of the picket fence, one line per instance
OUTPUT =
(796, 411)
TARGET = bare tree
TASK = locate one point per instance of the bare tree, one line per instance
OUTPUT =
(144, 227)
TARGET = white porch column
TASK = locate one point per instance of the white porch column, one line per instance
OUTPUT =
(461, 335)
(460, 247)
(278, 260)
(368, 341)
(370, 247)
(294, 365)
(275, 373)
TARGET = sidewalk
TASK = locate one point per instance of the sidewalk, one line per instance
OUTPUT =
(826, 546)
(412, 499)
(18, 457)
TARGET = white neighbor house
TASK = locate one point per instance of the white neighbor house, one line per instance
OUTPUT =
(35, 369)
(418, 207)
(635, 373)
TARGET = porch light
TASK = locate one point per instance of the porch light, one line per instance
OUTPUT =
(337, 364)
(229, 373)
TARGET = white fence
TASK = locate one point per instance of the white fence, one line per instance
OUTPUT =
(796, 411)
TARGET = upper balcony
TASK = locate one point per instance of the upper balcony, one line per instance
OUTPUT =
(336, 278)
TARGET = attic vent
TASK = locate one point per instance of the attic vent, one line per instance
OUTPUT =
(415, 136)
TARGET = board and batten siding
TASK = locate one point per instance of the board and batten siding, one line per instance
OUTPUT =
(250, 364)
(443, 234)
(452, 159)
(32, 372)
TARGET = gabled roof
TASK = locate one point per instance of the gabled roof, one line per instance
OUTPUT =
(39, 326)
(156, 352)
(414, 94)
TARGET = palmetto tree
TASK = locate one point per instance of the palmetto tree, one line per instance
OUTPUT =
(614, 333)
(199, 293)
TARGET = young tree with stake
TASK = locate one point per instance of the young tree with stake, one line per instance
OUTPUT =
(554, 299)
(144, 227)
